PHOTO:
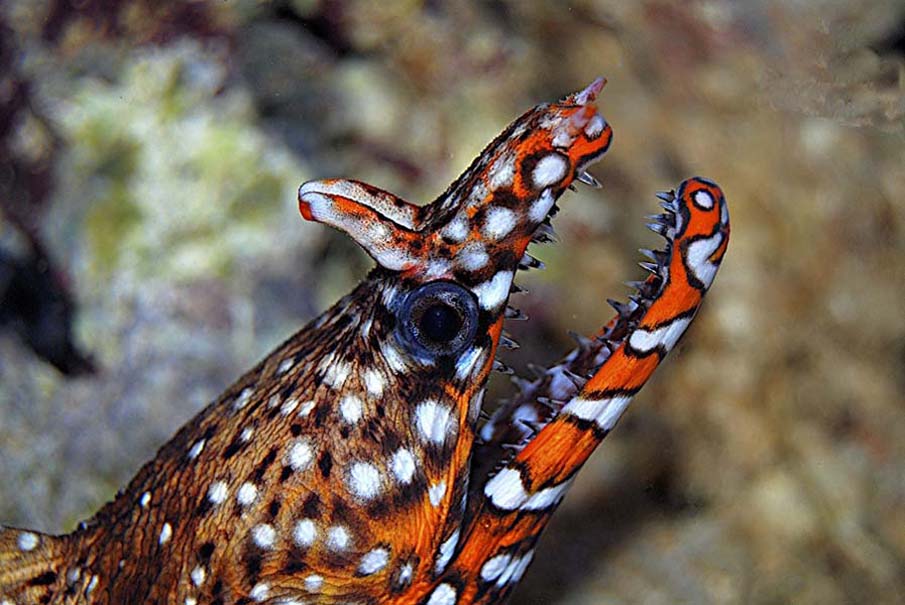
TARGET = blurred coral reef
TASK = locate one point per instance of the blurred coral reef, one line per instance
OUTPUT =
(157, 158)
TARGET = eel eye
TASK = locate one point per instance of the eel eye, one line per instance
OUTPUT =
(438, 319)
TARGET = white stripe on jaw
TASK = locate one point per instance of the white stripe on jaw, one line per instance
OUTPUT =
(605, 412)
(697, 258)
(644, 341)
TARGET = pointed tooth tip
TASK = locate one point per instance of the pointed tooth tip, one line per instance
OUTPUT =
(588, 179)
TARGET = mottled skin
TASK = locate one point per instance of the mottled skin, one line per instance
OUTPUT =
(345, 467)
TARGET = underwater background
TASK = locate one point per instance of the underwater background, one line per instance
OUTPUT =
(151, 251)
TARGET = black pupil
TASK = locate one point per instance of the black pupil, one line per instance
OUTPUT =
(440, 322)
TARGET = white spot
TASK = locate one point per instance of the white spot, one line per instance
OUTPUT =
(492, 569)
(165, 534)
(286, 365)
(245, 435)
(190, 601)
(446, 552)
(433, 421)
(373, 561)
(217, 492)
(274, 401)
(456, 230)
(289, 406)
(469, 362)
(492, 293)
(145, 500)
(263, 535)
(541, 206)
(306, 408)
(196, 449)
(605, 412)
(519, 569)
(595, 126)
(703, 199)
(198, 574)
(444, 594)
(313, 582)
(724, 214)
(437, 268)
(246, 494)
(549, 170)
(644, 341)
(374, 382)
(403, 466)
(337, 538)
(499, 222)
(405, 574)
(436, 492)
(697, 258)
(304, 533)
(350, 408)
(27, 541)
(502, 171)
(365, 330)
(92, 584)
(505, 489)
(300, 455)
(473, 256)
(336, 373)
(364, 480)
(243, 398)
(260, 592)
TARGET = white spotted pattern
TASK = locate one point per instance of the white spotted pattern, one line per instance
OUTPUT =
(27, 541)
(436, 492)
(246, 494)
(373, 561)
(492, 569)
(263, 535)
(165, 534)
(217, 492)
(703, 199)
(443, 594)
(541, 206)
(499, 222)
(351, 409)
(505, 489)
(446, 552)
(196, 449)
(260, 592)
(549, 170)
(403, 466)
(698, 256)
(364, 480)
(198, 575)
(493, 292)
(300, 455)
(337, 538)
(313, 582)
(433, 421)
(374, 382)
(145, 499)
(304, 533)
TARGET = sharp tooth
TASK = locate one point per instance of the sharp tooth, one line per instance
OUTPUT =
(502, 368)
(652, 267)
(579, 381)
(508, 343)
(666, 196)
(514, 289)
(623, 309)
(544, 234)
(648, 253)
(588, 179)
(529, 262)
(658, 228)
(572, 187)
(668, 206)
(514, 314)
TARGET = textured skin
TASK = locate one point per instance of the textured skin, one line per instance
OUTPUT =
(346, 467)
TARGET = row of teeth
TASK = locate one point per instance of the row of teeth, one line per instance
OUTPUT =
(629, 313)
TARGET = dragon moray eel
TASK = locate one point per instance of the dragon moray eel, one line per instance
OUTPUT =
(350, 465)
